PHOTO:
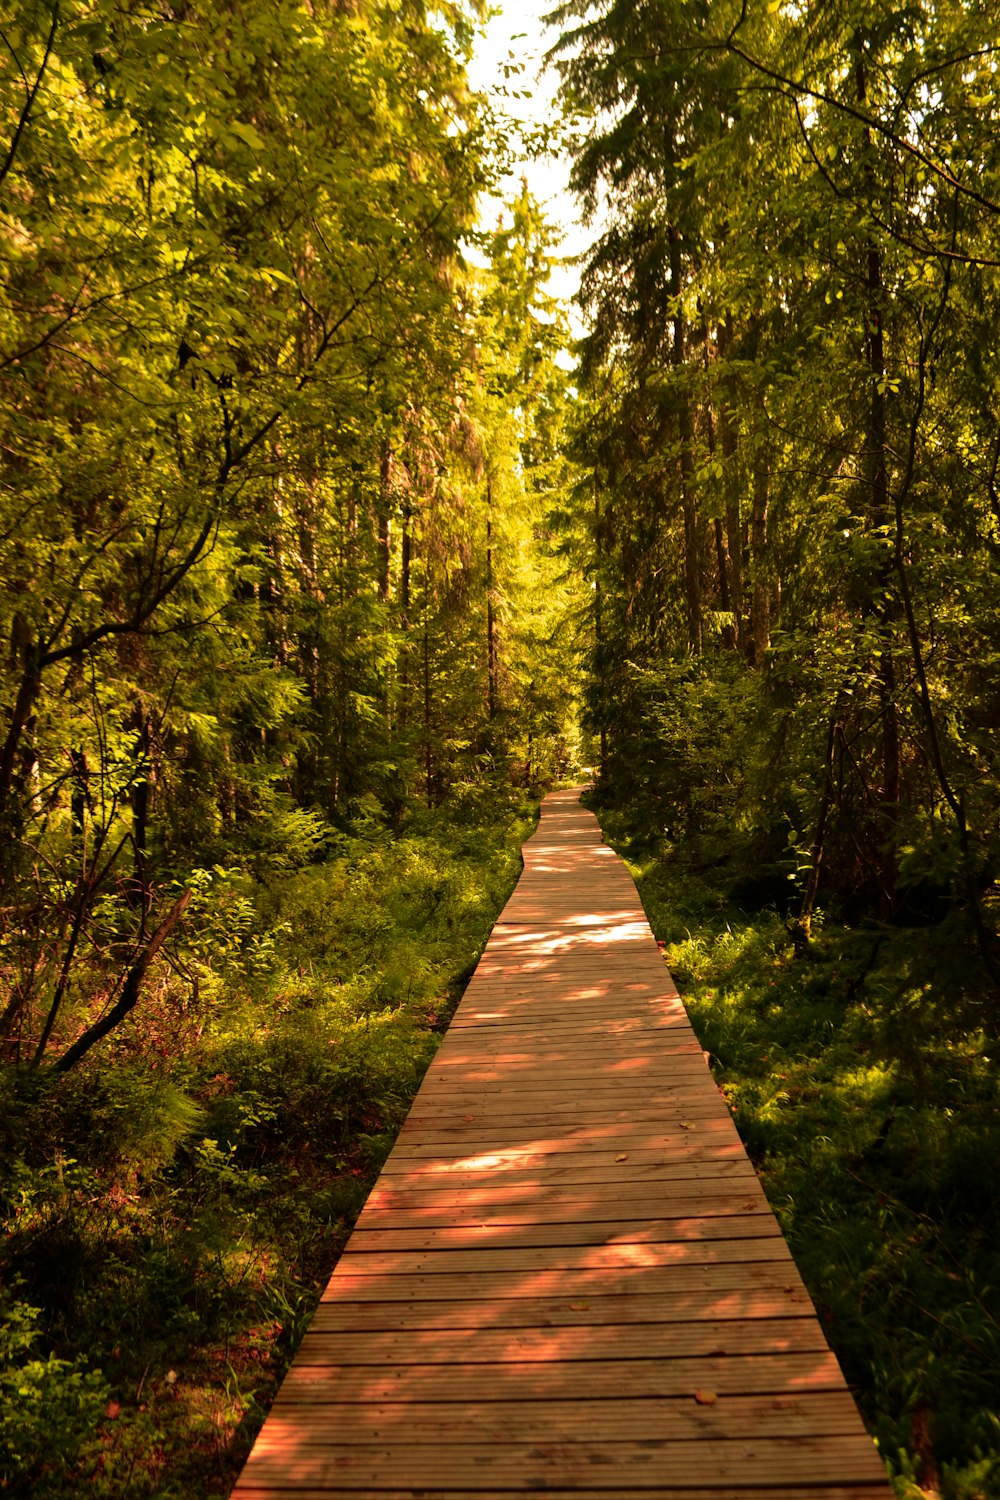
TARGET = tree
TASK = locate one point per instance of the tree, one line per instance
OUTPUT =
(226, 232)
(793, 246)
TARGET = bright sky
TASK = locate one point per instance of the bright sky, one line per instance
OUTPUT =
(516, 36)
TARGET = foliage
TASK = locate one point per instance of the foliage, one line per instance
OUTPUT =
(274, 489)
(790, 524)
(250, 380)
(867, 1099)
(789, 422)
(49, 1407)
(171, 1212)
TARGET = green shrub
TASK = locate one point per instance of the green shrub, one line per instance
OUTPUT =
(49, 1407)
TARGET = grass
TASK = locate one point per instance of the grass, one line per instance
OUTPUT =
(171, 1211)
(866, 1094)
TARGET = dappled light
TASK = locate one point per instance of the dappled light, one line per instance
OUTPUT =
(333, 537)
(567, 1267)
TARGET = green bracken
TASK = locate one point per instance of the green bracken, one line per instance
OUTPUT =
(873, 1120)
(171, 1212)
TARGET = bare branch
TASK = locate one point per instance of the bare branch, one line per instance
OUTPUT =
(29, 102)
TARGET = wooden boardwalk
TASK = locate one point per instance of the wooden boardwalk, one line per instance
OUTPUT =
(567, 1277)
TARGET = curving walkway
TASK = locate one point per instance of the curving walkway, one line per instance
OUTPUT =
(567, 1277)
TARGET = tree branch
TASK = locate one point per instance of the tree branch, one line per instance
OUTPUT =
(29, 102)
(131, 990)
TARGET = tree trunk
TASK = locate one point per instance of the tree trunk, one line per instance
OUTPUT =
(491, 639)
(878, 480)
(383, 542)
(428, 760)
(731, 480)
(21, 721)
(685, 431)
(760, 603)
(722, 562)
(599, 662)
(130, 991)
(405, 564)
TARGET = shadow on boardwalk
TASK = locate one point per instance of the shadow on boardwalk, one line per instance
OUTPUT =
(567, 1277)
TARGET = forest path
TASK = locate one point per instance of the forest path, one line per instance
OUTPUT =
(567, 1277)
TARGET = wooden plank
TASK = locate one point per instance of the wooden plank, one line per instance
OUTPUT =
(683, 1079)
(438, 1162)
(314, 1377)
(689, 1137)
(563, 1095)
(614, 1420)
(612, 1134)
(703, 1463)
(597, 1340)
(565, 1090)
(591, 1052)
(616, 1037)
(540, 1029)
(512, 1185)
(601, 1257)
(471, 1286)
(592, 1309)
(428, 1121)
(619, 1211)
(623, 1212)
(620, 1202)
(665, 1489)
(628, 1075)
(510, 1175)
(536, 1236)
(585, 978)
(500, 1058)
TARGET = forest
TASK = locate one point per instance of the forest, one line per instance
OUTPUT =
(328, 542)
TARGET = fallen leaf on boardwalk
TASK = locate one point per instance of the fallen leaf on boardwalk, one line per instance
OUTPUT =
(705, 1398)
(623, 1157)
(468, 1118)
(579, 1306)
(686, 1125)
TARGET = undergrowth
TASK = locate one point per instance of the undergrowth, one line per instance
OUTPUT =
(171, 1210)
(867, 1099)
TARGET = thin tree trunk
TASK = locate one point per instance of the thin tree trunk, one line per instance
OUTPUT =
(131, 989)
(405, 563)
(428, 762)
(731, 480)
(79, 798)
(685, 428)
(491, 639)
(722, 562)
(599, 661)
(22, 717)
(880, 517)
(406, 554)
(383, 545)
(760, 603)
(827, 802)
